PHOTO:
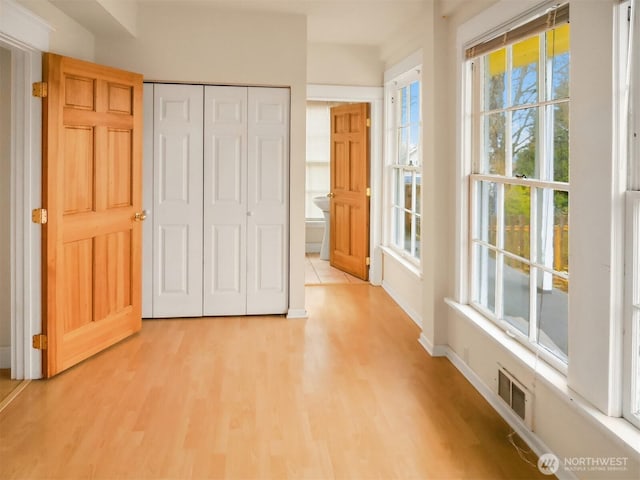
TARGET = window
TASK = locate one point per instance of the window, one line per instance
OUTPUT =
(630, 102)
(406, 166)
(318, 155)
(520, 182)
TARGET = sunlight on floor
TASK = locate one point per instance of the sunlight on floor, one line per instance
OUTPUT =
(320, 272)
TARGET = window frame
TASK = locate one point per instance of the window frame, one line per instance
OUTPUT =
(629, 82)
(474, 85)
(395, 168)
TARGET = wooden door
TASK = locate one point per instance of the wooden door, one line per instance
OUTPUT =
(92, 179)
(268, 201)
(225, 201)
(349, 209)
(177, 200)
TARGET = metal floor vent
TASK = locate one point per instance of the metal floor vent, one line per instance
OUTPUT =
(515, 395)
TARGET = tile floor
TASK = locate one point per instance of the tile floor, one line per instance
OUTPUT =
(320, 272)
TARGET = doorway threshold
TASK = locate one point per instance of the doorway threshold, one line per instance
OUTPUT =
(320, 272)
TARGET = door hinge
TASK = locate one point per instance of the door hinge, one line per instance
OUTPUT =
(368, 122)
(39, 216)
(39, 89)
(368, 191)
(367, 261)
(40, 342)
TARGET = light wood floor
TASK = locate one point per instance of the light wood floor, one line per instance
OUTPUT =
(346, 394)
(7, 386)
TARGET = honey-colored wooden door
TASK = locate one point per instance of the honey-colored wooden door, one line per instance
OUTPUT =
(92, 190)
(349, 210)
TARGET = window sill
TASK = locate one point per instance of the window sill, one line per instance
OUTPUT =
(617, 427)
(403, 260)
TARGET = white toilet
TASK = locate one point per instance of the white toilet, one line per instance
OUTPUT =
(323, 203)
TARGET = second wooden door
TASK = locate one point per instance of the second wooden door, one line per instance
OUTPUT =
(349, 209)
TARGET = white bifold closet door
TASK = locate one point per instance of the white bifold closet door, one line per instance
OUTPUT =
(246, 187)
(268, 201)
(225, 200)
(177, 200)
(242, 181)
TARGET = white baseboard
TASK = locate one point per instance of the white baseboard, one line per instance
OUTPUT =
(297, 313)
(413, 315)
(433, 350)
(529, 437)
(5, 357)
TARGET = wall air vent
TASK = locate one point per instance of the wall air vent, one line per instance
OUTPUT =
(515, 395)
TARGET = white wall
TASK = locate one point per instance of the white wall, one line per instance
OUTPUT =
(403, 285)
(409, 38)
(432, 31)
(334, 64)
(204, 45)
(406, 283)
(593, 187)
(5, 206)
(125, 12)
(67, 37)
(566, 429)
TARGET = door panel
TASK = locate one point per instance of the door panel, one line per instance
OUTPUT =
(269, 275)
(267, 201)
(119, 166)
(349, 210)
(78, 164)
(177, 208)
(225, 201)
(92, 166)
(174, 262)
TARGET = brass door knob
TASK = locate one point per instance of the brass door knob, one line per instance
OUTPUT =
(331, 195)
(140, 216)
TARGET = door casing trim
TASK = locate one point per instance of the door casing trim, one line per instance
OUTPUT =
(26, 36)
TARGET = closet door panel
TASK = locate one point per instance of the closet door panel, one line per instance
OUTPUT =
(267, 201)
(177, 207)
(225, 200)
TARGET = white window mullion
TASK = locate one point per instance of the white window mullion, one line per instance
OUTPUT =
(499, 301)
(413, 214)
(475, 268)
(533, 272)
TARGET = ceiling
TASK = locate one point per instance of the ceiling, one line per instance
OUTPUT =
(360, 22)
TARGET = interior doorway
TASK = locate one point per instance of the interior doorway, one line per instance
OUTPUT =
(336, 95)
(7, 385)
(317, 186)
(23, 38)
